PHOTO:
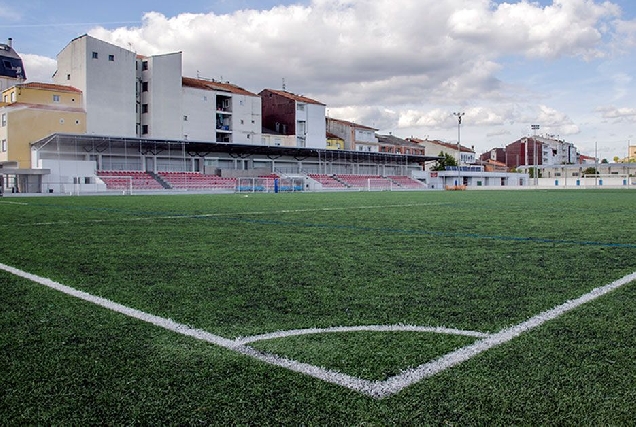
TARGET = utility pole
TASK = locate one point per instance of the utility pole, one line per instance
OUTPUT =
(459, 147)
(535, 128)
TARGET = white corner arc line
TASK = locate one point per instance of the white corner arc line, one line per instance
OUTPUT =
(366, 328)
(376, 389)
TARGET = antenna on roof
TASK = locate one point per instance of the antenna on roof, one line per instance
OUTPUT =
(284, 85)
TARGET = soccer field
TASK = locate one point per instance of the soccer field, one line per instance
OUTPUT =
(443, 308)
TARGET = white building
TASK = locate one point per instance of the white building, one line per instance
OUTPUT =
(106, 74)
(220, 112)
(160, 103)
(129, 95)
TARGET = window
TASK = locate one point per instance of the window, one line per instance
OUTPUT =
(301, 107)
(185, 118)
(144, 86)
(56, 98)
(95, 55)
(4, 146)
(144, 108)
(77, 122)
(144, 65)
(68, 77)
(4, 119)
(13, 96)
(144, 129)
(111, 58)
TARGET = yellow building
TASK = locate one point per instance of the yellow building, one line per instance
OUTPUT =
(32, 111)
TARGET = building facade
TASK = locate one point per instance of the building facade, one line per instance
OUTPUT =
(356, 137)
(11, 67)
(33, 111)
(290, 114)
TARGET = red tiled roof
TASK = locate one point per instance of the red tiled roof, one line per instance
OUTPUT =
(352, 124)
(214, 85)
(49, 86)
(18, 105)
(289, 95)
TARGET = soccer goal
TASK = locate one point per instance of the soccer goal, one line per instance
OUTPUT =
(379, 184)
(269, 185)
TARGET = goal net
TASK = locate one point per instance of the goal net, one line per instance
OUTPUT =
(379, 184)
(269, 185)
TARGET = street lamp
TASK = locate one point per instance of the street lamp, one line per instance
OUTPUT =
(535, 128)
(459, 147)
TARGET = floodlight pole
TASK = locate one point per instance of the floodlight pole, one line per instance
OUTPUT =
(535, 161)
(459, 116)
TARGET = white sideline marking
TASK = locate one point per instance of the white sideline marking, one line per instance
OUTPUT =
(13, 203)
(213, 215)
(376, 389)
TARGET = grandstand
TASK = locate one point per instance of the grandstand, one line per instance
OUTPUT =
(89, 163)
(196, 181)
(128, 180)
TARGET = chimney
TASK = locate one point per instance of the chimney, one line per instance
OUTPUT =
(10, 42)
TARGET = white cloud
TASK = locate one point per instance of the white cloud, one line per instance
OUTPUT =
(404, 65)
(618, 115)
(38, 68)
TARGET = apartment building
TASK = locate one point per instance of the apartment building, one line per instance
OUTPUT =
(31, 111)
(356, 137)
(290, 114)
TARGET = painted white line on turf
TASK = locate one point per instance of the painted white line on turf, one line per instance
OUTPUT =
(376, 389)
(169, 324)
(13, 203)
(367, 328)
(395, 384)
(212, 215)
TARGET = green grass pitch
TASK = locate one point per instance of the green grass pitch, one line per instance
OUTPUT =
(238, 266)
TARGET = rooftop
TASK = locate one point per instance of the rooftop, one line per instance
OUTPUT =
(293, 96)
(215, 85)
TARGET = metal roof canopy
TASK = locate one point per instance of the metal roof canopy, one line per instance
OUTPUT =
(202, 149)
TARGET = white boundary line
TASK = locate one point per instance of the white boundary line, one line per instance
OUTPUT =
(376, 389)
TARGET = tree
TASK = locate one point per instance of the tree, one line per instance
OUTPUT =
(446, 160)
(590, 171)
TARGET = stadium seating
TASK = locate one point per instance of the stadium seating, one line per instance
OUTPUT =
(407, 183)
(127, 180)
(197, 181)
(362, 181)
(327, 181)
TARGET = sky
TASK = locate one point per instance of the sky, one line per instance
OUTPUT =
(401, 66)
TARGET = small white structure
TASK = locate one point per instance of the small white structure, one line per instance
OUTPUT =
(471, 177)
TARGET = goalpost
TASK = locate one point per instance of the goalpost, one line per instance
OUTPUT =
(379, 184)
(269, 185)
